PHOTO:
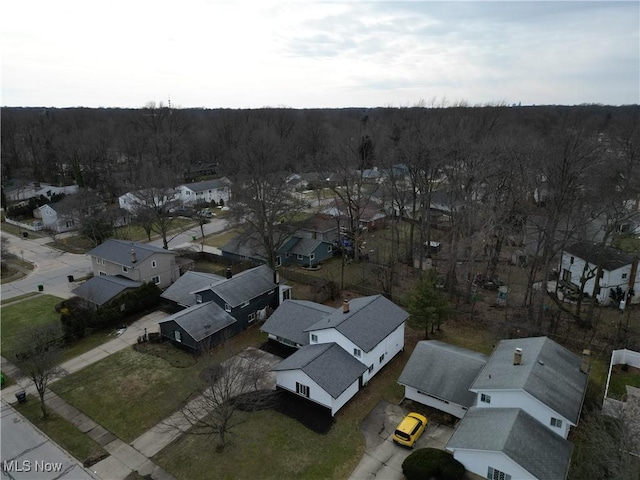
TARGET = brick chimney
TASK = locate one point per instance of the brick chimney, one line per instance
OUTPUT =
(585, 365)
(517, 357)
(133, 256)
(345, 306)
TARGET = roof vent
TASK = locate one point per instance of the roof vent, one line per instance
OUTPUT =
(229, 272)
(517, 357)
(133, 256)
(345, 306)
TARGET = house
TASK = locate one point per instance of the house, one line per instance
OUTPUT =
(439, 375)
(289, 323)
(136, 261)
(66, 214)
(528, 395)
(509, 444)
(152, 197)
(200, 327)
(103, 289)
(220, 307)
(371, 216)
(180, 293)
(319, 227)
(369, 331)
(19, 190)
(200, 170)
(619, 269)
(206, 191)
(307, 252)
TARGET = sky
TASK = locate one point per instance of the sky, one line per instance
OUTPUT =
(318, 54)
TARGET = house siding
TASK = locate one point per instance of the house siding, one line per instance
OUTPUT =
(520, 399)
(166, 269)
(167, 330)
(478, 462)
(241, 314)
(451, 408)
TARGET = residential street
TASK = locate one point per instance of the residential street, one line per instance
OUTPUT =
(215, 225)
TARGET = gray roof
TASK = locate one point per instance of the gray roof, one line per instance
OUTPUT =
(246, 246)
(369, 320)
(182, 290)
(245, 285)
(306, 246)
(293, 317)
(548, 372)
(444, 370)
(612, 257)
(99, 290)
(201, 320)
(206, 185)
(533, 446)
(119, 252)
(327, 364)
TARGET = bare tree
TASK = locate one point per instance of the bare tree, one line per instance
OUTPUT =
(39, 356)
(154, 208)
(213, 411)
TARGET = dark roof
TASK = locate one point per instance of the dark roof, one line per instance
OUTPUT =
(548, 372)
(182, 290)
(244, 286)
(327, 364)
(119, 251)
(320, 222)
(444, 370)
(612, 257)
(306, 246)
(293, 317)
(99, 290)
(512, 431)
(369, 321)
(201, 320)
(248, 246)
(206, 185)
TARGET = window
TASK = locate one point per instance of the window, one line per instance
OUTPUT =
(556, 422)
(102, 274)
(312, 256)
(494, 474)
(227, 307)
(271, 292)
(357, 352)
(299, 257)
(279, 260)
(125, 269)
(624, 275)
(330, 249)
(154, 264)
(382, 358)
(156, 279)
(245, 304)
(198, 298)
(302, 390)
(252, 317)
(370, 368)
(177, 335)
(314, 338)
(566, 275)
(571, 260)
(485, 398)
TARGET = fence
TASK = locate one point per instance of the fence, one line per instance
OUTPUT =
(36, 226)
(618, 357)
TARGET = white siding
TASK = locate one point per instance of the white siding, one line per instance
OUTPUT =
(478, 462)
(520, 399)
(449, 407)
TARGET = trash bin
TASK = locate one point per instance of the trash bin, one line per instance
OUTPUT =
(40, 288)
(25, 234)
(70, 278)
(21, 396)
(193, 238)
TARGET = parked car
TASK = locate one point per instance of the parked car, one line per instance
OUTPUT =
(206, 213)
(409, 429)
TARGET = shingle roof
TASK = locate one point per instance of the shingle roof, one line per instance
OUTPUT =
(305, 246)
(548, 372)
(201, 320)
(612, 257)
(119, 252)
(246, 246)
(444, 370)
(368, 322)
(205, 185)
(327, 364)
(181, 291)
(245, 285)
(518, 435)
(99, 290)
(293, 317)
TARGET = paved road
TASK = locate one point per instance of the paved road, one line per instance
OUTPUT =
(28, 454)
(216, 225)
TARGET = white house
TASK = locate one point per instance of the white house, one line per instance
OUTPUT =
(151, 197)
(64, 215)
(17, 190)
(367, 330)
(619, 269)
(528, 395)
(439, 375)
(205, 192)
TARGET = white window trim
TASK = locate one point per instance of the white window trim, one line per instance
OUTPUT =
(125, 269)
(252, 317)
(227, 307)
(314, 338)
(300, 257)
(101, 273)
(302, 390)
(357, 353)
(556, 422)
(198, 298)
(245, 304)
(156, 279)
(177, 335)
(312, 256)
(154, 264)
(484, 398)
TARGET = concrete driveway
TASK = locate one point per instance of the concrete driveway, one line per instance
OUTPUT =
(383, 458)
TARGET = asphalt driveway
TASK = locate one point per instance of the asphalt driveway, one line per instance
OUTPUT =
(382, 457)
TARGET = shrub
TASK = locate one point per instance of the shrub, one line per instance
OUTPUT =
(431, 463)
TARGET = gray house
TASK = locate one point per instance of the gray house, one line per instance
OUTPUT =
(289, 323)
(181, 292)
(105, 288)
(439, 375)
(135, 261)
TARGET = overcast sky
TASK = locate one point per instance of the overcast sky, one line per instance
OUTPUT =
(251, 54)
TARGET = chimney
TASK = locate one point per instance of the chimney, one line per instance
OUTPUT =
(517, 357)
(229, 272)
(345, 306)
(276, 277)
(585, 366)
(133, 256)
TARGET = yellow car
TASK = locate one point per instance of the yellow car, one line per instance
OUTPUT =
(409, 429)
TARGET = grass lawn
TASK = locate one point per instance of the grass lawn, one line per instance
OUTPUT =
(17, 231)
(220, 239)
(620, 379)
(61, 431)
(19, 297)
(130, 392)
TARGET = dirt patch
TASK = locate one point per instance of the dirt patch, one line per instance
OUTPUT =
(175, 357)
